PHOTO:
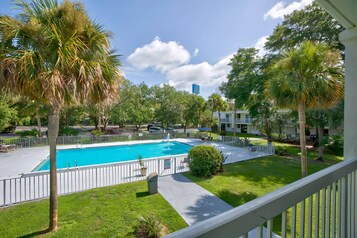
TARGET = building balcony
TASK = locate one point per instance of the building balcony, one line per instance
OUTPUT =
(238, 121)
(324, 203)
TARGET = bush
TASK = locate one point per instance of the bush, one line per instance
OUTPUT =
(205, 160)
(33, 132)
(335, 145)
(67, 131)
(96, 132)
(149, 227)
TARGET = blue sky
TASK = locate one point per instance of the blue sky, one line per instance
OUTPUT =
(181, 42)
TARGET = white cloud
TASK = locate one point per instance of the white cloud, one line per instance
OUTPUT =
(280, 9)
(159, 55)
(171, 59)
(260, 45)
(208, 76)
(195, 52)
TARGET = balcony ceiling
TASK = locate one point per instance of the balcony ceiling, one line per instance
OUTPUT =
(344, 11)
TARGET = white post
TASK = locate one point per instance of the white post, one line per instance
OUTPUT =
(349, 39)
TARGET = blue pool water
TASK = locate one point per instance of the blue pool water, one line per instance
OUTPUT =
(110, 154)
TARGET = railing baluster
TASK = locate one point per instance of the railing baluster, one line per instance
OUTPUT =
(293, 222)
(4, 186)
(348, 200)
(309, 217)
(333, 218)
(260, 231)
(302, 218)
(283, 224)
(328, 211)
(343, 208)
(323, 211)
(354, 224)
(270, 228)
(317, 214)
(339, 209)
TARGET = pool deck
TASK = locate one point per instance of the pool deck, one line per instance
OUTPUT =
(25, 160)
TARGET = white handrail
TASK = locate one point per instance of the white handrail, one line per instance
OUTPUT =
(240, 220)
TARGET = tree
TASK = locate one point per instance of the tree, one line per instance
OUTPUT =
(34, 109)
(265, 118)
(54, 54)
(216, 104)
(244, 79)
(311, 23)
(168, 105)
(8, 113)
(332, 117)
(245, 86)
(194, 105)
(308, 76)
(141, 109)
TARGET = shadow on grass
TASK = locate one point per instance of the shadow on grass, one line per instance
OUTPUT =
(235, 199)
(142, 194)
(36, 233)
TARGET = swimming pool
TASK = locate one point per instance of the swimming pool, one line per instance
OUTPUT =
(109, 154)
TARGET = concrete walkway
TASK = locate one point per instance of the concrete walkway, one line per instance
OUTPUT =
(194, 203)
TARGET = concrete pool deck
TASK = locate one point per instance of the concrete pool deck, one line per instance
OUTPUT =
(25, 160)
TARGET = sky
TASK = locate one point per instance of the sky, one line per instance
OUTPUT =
(181, 42)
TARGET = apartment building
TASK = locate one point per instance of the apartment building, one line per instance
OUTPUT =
(244, 122)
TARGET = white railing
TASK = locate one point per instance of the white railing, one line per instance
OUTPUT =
(35, 185)
(320, 205)
(83, 139)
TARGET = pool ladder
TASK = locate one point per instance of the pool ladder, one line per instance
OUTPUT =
(75, 164)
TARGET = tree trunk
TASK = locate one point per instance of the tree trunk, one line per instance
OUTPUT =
(184, 128)
(53, 125)
(38, 118)
(235, 120)
(302, 121)
(99, 121)
(321, 145)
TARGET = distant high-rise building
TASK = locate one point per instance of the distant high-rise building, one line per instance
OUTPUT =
(195, 89)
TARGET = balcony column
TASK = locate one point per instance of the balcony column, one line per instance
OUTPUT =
(349, 39)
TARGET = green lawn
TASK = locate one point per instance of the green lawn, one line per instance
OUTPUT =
(244, 181)
(102, 212)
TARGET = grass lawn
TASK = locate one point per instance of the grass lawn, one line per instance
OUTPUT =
(244, 181)
(102, 212)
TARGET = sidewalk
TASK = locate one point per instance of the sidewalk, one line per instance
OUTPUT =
(194, 203)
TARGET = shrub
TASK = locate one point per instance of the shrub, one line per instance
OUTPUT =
(149, 227)
(223, 133)
(96, 132)
(335, 145)
(67, 131)
(33, 132)
(205, 160)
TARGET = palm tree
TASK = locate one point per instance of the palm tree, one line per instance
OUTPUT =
(54, 54)
(216, 103)
(308, 76)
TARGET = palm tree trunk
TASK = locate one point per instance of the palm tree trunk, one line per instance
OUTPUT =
(53, 125)
(321, 146)
(38, 118)
(302, 121)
